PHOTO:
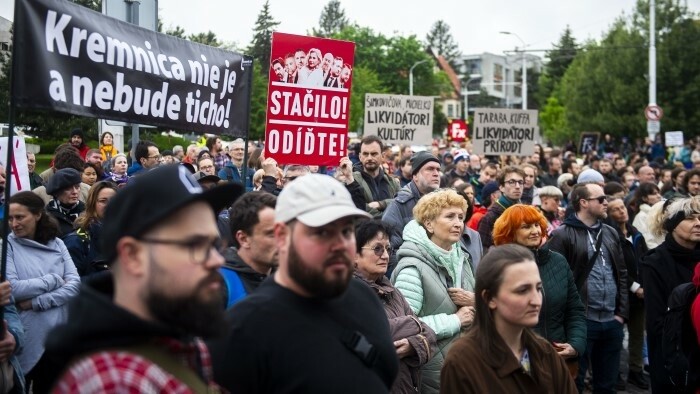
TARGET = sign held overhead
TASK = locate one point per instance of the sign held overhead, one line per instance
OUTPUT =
(500, 131)
(398, 119)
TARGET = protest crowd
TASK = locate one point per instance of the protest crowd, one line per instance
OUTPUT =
(312, 263)
(397, 271)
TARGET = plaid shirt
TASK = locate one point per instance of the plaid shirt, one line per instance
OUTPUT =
(220, 160)
(124, 372)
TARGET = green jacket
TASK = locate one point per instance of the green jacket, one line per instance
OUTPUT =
(393, 185)
(562, 317)
(423, 281)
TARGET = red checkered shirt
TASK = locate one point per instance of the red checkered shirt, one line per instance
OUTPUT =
(115, 371)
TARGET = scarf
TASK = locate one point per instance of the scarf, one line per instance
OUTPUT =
(680, 254)
(452, 260)
(71, 212)
(506, 202)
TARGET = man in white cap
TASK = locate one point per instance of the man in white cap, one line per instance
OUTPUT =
(311, 329)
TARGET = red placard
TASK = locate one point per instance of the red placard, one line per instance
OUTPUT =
(308, 100)
(458, 130)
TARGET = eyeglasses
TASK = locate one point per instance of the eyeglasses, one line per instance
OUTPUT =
(513, 182)
(600, 199)
(157, 157)
(206, 167)
(379, 250)
(199, 247)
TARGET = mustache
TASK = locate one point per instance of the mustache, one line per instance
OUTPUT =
(334, 258)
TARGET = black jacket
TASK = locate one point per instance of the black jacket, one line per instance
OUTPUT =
(663, 268)
(251, 279)
(95, 322)
(571, 240)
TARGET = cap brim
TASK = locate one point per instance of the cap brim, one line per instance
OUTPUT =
(322, 216)
(220, 196)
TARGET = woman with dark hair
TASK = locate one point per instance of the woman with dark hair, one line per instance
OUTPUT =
(562, 320)
(84, 243)
(414, 341)
(256, 158)
(674, 189)
(500, 354)
(43, 278)
(91, 173)
(107, 148)
(435, 275)
(646, 195)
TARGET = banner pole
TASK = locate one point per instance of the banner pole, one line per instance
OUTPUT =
(244, 168)
(8, 167)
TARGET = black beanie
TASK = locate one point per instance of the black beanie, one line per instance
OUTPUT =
(420, 159)
(77, 131)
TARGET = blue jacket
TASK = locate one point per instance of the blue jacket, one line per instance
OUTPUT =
(135, 169)
(15, 327)
(231, 173)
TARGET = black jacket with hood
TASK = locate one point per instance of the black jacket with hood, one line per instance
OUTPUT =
(250, 278)
(95, 322)
(571, 240)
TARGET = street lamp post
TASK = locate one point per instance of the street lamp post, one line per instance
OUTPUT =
(410, 76)
(467, 92)
(524, 73)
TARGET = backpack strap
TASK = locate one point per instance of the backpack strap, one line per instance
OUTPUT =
(234, 285)
(166, 361)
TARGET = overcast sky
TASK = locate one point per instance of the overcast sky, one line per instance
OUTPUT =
(475, 24)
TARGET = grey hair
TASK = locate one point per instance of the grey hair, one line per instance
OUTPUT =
(684, 206)
(297, 167)
(551, 191)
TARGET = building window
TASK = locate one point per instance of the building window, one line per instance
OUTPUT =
(498, 77)
(450, 110)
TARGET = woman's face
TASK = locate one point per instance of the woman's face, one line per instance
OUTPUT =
(447, 228)
(373, 264)
(102, 199)
(529, 177)
(22, 222)
(519, 298)
(469, 192)
(120, 165)
(528, 235)
(89, 176)
(107, 139)
(652, 199)
(69, 196)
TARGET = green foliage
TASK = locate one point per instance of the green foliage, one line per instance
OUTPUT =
(208, 38)
(332, 20)
(553, 124)
(605, 90)
(559, 60)
(440, 39)
(258, 103)
(261, 45)
(364, 81)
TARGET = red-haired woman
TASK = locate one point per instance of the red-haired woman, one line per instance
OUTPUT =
(562, 320)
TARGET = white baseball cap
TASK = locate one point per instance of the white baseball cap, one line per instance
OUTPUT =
(315, 200)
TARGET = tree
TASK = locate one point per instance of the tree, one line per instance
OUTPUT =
(558, 62)
(261, 45)
(258, 103)
(332, 20)
(208, 38)
(440, 39)
(553, 123)
(177, 31)
(364, 81)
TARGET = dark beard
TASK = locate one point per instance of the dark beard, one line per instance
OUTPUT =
(188, 313)
(314, 282)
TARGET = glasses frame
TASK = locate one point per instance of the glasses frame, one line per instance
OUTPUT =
(190, 245)
(513, 182)
(600, 199)
(379, 250)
